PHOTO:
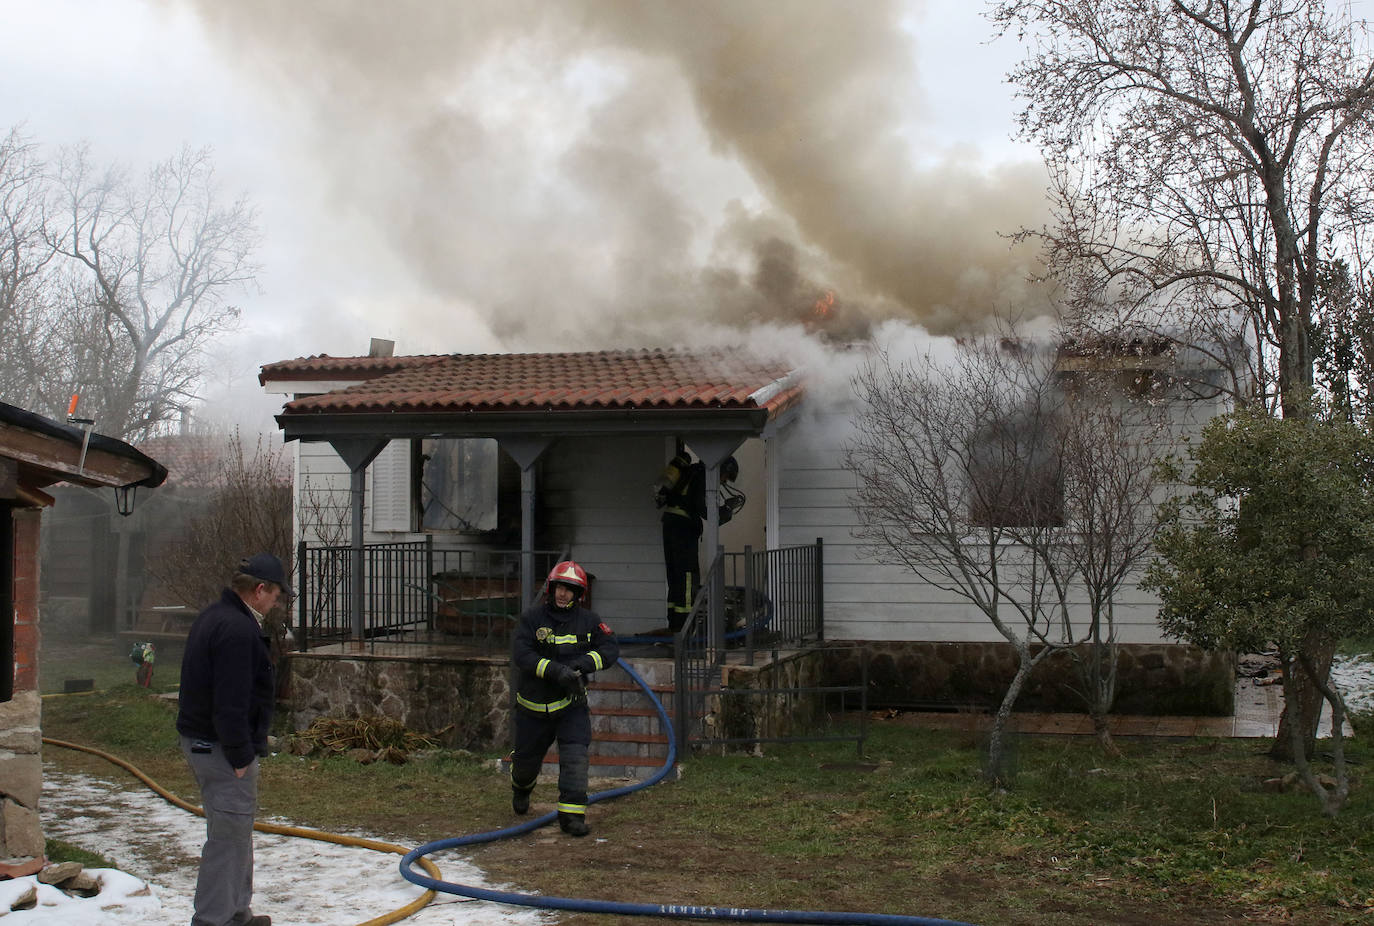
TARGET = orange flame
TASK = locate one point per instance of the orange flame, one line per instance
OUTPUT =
(824, 305)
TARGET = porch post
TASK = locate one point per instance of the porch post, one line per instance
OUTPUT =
(527, 535)
(712, 449)
(357, 488)
(526, 451)
(357, 453)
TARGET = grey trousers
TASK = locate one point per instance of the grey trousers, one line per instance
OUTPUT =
(224, 886)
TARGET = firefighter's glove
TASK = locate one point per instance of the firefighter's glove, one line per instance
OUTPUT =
(567, 678)
(583, 664)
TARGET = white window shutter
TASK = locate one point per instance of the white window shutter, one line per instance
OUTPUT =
(389, 493)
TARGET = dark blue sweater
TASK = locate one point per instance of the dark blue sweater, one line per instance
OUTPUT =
(228, 686)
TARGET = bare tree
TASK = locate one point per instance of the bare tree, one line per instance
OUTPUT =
(150, 266)
(246, 508)
(1021, 489)
(1204, 154)
(24, 258)
(1116, 429)
(1206, 157)
(953, 466)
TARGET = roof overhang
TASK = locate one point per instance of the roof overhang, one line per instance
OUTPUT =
(322, 426)
(39, 452)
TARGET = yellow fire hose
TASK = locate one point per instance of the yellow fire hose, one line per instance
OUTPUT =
(394, 916)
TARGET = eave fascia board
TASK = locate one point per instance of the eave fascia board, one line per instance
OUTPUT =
(323, 426)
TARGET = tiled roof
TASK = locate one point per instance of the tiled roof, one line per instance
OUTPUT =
(323, 366)
(626, 379)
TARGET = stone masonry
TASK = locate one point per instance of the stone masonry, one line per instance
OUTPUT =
(465, 704)
(21, 763)
(1156, 679)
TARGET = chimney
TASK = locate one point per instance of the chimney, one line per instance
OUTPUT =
(381, 348)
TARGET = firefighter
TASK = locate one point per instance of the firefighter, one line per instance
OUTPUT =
(681, 493)
(558, 645)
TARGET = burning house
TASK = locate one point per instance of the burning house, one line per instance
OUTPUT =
(490, 467)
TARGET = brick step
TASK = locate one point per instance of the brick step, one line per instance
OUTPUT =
(613, 736)
(648, 710)
(603, 761)
(658, 689)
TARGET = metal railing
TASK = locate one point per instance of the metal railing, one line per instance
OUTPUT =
(750, 602)
(411, 591)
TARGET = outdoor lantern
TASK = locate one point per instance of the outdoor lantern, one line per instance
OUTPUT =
(124, 499)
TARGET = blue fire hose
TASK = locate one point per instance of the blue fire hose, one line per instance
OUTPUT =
(683, 911)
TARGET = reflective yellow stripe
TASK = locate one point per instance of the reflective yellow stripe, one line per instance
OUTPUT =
(677, 511)
(540, 667)
(564, 638)
(596, 660)
(542, 708)
(580, 809)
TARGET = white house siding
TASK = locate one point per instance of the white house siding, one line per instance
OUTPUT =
(597, 500)
(868, 601)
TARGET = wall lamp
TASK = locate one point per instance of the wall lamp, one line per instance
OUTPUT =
(124, 499)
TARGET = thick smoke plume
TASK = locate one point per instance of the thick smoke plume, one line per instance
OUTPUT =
(596, 173)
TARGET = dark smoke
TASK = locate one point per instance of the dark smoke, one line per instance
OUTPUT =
(615, 172)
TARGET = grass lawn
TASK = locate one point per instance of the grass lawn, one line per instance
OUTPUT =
(1176, 831)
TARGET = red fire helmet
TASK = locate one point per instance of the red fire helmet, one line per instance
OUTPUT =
(567, 573)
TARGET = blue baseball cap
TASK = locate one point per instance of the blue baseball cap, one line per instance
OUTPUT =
(268, 568)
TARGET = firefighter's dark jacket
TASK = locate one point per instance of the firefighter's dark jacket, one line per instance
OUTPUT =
(575, 637)
(686, 499)
(228, 686)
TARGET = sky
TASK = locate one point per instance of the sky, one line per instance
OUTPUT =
(501, 175)
(516, 175)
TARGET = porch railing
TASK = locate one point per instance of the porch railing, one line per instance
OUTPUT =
(412, 591)
(757, 600)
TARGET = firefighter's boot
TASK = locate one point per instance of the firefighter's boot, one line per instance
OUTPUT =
(574, 824)
(520, 801)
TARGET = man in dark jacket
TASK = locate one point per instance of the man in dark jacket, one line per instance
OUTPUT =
(227, 694)
(558, 645)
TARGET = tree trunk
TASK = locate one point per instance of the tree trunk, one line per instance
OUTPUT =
(1303, 697)
(997, 771)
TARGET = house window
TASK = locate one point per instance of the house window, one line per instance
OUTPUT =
(459, 484)
(1015, 476)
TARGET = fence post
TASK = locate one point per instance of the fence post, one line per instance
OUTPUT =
(748, 605)
(428, 580)
(302, 591)
(681, 707)
(820, 589)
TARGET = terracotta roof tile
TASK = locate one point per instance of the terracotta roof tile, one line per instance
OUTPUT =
(320, 366)
(657, 379)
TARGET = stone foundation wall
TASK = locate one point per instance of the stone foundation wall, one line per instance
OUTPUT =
(746, 713)
(21, 763)
(21, 777)
(464, 705)
(1163, 679)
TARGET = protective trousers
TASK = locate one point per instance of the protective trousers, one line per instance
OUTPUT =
(224, 886)
(535, 733)
(682, 566)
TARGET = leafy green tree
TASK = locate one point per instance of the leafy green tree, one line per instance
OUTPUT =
(1274, 545)
(1343, 340)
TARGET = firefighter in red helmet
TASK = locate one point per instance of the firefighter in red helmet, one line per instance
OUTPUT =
(558, 645)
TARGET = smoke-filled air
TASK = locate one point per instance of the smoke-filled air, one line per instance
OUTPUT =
(609, 173)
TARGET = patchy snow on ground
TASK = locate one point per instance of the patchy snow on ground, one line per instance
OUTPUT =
(156, 848)
(1354, 676)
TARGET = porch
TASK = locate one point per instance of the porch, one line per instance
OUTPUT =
(433, 653)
